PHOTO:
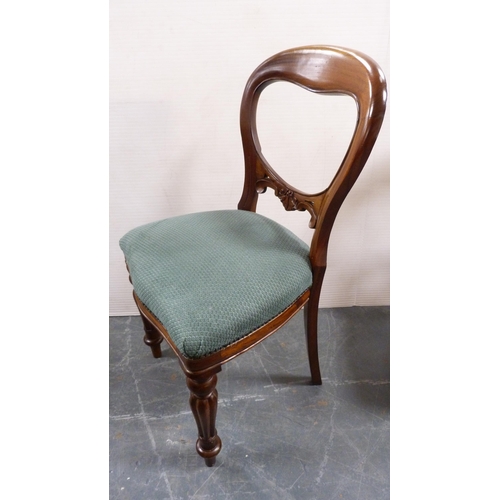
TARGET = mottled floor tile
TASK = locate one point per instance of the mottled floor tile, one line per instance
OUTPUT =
(282, 438)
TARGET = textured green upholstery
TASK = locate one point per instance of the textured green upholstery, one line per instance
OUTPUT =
(213, 277)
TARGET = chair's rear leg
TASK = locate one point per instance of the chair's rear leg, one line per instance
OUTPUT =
(311, 328)
(203, 402)
(311, 324)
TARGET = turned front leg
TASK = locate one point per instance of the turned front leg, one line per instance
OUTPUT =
(203, 402)
(152, 337)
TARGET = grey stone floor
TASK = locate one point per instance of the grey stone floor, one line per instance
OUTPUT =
(281, 437)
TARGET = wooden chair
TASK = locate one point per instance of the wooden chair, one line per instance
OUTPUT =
(214, 284)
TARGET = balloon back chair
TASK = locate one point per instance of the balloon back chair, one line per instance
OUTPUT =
(215, 284)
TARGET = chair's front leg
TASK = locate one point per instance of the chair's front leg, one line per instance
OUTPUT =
(152, 336)
(203, 401)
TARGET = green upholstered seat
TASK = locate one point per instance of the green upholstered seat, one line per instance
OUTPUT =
(211, 278)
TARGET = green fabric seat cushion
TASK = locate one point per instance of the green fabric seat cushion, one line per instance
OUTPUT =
(213, 277)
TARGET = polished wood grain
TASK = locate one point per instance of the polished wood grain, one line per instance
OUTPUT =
(319, 69)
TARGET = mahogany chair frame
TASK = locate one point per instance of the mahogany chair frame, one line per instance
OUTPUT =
(319, 69)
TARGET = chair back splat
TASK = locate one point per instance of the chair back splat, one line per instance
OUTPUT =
(194, 275)
(323, 70)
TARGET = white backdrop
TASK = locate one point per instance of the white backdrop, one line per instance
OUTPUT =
(177, 73)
